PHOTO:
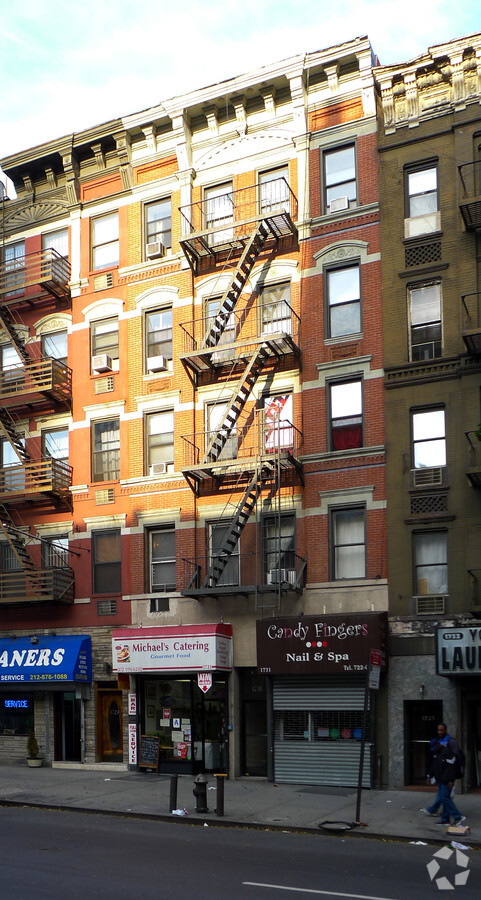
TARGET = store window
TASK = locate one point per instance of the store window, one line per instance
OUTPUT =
(106, 562)
(344, 301)
(425, 315)
(106, 450)
(340, 183)
(348, 543)
(320, 725)
(346, 415)
(105, 241)
(16, 714)
(428, 438)
(431, 562)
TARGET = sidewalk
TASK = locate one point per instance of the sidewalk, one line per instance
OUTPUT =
(247, 802)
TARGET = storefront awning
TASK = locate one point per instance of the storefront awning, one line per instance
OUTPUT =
(45, 660)
(173, 648)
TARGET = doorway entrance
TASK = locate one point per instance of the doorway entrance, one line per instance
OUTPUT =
(67, 745)
(109, 705)
(421, 718)
(254, 723)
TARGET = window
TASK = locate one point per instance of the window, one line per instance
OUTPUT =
(274, 191)
(431, 563)
(12, 369)
(106, 450)
(422, 191)
(13, 480)
(106, 562)
(159, 430)
(104, 336)
(219, 212)
(228, 335)
(162, 560)
(230, 574)
(55, 345)
(14, 255)
(425, 312)
(105, 241)
(344, 301)
(158, 335)
(55, 552)
(278, 427)
(55, 444)
(276, 309)
(215, 413)
(348, 543)
(340, 178)
(16, 713)
(56, 240)
(279, 542)
(158, 223)
(346, 415)
(429, 438)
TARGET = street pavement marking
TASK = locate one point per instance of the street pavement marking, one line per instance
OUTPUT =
(283, 887)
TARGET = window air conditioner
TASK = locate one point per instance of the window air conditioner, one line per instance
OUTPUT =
(157, 363)
(158, 468)
(155, 249)
(280, 576)
(101, 363)
(338, 204)
(427, 477)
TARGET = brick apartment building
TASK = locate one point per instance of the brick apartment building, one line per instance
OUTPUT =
(193, 502)
(430, 194)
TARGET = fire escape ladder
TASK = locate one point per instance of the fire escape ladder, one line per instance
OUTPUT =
(237, 403)
(16, 540)
(6, 320)
(233, 292)
(222, 554)
(7, 428)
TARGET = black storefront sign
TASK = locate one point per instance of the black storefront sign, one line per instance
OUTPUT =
(328, 644)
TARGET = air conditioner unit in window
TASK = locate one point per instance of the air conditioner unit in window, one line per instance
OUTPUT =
(281, 576)
(338, 204)
(427, 477)
(157, 363)
(101, 363)
(155, 249)
(158, 468)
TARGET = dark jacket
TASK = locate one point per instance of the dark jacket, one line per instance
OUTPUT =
(443, 767)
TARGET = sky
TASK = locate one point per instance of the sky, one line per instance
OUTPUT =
(67, 65)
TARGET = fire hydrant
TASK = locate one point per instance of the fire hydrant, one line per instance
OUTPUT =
(200, 793)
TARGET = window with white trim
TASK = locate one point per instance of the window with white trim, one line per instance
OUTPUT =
(105, 241)
(425, 316)
(430, 562)
(159, 438)
(348, 542)
(344, 300)
(428, 438)
(162, 559)
(346, 415)
(340, 182)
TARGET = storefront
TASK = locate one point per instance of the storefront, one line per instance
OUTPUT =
(44, 685)
(179, 711)
(458, 657)
(318, 668)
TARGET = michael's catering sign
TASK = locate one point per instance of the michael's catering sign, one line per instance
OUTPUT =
(458, 651)
(173, 648)
(320, 644)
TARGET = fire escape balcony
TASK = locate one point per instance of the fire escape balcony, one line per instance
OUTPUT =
(38, 382)
(471, 323)
(246, 450)
(40, 481)
(275, 324)
(44, 271)
(43, 585)
(215, 229)
(242, 576)
(473, 469)
(470, 202)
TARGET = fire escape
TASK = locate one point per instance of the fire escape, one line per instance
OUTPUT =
(32, 385)
(231, 346)
(470, 208)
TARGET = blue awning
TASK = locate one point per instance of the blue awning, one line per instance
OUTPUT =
(46, 660)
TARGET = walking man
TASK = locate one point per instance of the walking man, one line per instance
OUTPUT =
(443, 769)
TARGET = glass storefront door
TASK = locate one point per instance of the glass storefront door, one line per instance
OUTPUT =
(191, 726)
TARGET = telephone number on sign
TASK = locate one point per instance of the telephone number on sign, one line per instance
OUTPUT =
(49, 676)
